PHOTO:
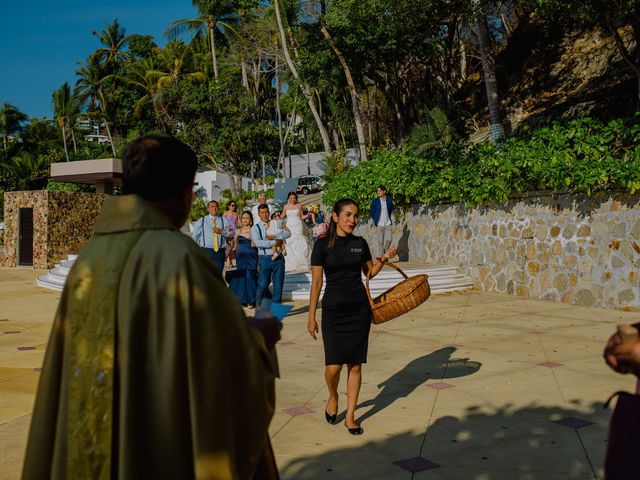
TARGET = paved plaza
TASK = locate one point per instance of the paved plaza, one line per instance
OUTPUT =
(468, 386)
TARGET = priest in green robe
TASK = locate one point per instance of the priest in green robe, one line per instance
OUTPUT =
(152, 369)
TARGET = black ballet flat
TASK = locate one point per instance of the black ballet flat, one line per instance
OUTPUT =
(330, 418)
(355, 431)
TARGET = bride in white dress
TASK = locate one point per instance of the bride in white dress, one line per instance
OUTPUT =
(298, 244)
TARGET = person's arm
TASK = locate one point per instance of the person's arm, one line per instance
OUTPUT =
(314, 296)
(283, 234)
(260, 242)
(374, 268)
(197, 231)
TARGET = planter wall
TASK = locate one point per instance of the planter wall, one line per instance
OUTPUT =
(569, 248)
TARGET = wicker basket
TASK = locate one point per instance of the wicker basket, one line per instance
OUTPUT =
(402, 298)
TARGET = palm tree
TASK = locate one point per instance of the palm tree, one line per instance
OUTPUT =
(89, 90)
(10, 121)
(66, 109)
(213, 13)
(114, 39)
(27, 169)
(176, 61)
(142, 75)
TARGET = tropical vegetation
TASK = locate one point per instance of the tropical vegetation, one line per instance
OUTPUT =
(404, 82)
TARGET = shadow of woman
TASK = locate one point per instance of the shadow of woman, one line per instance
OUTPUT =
(403, 245)
(436, 365)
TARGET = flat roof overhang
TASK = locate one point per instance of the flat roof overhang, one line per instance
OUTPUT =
(102, 170)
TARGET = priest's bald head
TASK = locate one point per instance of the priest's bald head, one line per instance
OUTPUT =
(160, 169)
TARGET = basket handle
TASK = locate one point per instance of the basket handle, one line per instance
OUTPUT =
(368, 275)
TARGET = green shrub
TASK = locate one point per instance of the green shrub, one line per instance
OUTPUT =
(198, 209)
(584, 155)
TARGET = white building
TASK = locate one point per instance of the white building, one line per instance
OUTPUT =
(215, 181)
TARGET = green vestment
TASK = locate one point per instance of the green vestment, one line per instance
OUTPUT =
(152, 370)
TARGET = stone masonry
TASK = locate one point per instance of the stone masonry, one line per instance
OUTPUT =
(62, 224)
(563, 247)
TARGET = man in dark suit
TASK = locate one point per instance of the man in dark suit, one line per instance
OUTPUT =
(380, 211)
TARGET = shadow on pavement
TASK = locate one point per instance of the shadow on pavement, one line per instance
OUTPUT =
(436, 365)
(484, 443)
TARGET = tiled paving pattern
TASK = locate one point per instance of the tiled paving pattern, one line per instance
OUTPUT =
(507, 418)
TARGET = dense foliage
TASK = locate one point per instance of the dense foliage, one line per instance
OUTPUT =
(584, 155)
(246, 80)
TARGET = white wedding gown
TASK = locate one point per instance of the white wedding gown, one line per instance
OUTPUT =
(298, 245)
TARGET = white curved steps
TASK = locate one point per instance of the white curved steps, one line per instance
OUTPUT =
(444, 278)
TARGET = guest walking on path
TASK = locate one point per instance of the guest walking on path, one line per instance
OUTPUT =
(262, 200)
(231, 215)
(346, 314)
(269, 269)
(380, 212)
(243, 281)
(211, 232)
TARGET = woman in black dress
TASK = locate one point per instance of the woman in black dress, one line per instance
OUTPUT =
(346, 315)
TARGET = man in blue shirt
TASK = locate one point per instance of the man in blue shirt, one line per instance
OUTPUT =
(380, 211)
(211, 232)
(268, 268)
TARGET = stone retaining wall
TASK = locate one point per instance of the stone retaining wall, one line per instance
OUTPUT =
(570, 248)
(62, 224)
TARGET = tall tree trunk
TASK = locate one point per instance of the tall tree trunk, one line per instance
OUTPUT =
(256, 81)
(5, 139)
(106, 124)
(73, 137)
(392, 100)
(64, 141)
(463, 60)
(491, 86)
(362, 143)
(211, 25)
(243, 70)
(279, 117)
(233, 184)
(306, 91)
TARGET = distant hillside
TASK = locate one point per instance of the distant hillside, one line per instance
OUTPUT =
(546, 74)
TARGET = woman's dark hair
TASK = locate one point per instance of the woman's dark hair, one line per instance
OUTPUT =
(292, 193)
(382, 187)
(157, 167)
(333, 227)
(247, 213)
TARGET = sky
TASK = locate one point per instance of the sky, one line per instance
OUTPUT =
(42, 41)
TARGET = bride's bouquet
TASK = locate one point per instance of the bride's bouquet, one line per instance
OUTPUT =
(320, 230)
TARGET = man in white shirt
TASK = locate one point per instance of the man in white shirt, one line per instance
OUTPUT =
(211, 232)
(268, 268)
(381, 211)
(262, 200)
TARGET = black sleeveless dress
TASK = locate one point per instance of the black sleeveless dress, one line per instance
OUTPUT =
(346, 314)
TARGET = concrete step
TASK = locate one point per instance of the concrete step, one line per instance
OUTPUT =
(442, 278)
(55, 278)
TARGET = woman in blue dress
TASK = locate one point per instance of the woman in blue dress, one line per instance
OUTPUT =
(244, 279)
